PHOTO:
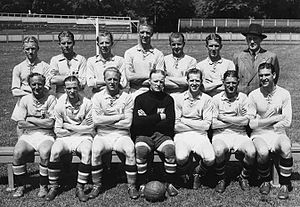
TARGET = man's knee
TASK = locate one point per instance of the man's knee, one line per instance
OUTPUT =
(250, 150)
(219, 149)
(286, 148)
(56, 151)
(141, 151)
(169, 152)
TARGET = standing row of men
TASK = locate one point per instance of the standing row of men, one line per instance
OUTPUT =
(154, 118)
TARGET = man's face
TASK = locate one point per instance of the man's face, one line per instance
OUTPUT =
(194, 82)
(177, 45)
(105, 45)
(157, 82)
(231, 85)
(253, 42)
(112, 80)
(145, 34)
(71, 89)
(213, 48)
(31, 50)
(266, 78)
(66, 45)
(37, 85)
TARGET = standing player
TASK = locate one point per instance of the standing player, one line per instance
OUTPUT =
(97, 64)
(153, 129)
(177, 64)
(193, 119)
(270, 111)
(32, 64)
(35, 116)
(229, 132)
(248, 60)
(74, 128)
(112, 115)
(214, 66)
(142, 58)
(66, 64)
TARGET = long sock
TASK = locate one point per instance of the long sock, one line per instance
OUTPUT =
(285, 167)
(19, 174)
(142, 172)
(43, 174)
(201, 169)
(170, 169)
(264, 171)
(97, 173)
(54, 173)
(246, 171)
(220, 170)
(131, 173)
(185, 168)
(83, 173)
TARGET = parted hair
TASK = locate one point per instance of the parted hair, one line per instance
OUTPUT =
(231, 73)
(193, 71)
(145, 21)
(31, 75)
(157, 71)
(66, 34)
(30, 38)
(176, 35)
(213, 36)
(105, 34)
(266, 65)
(114, 69)
(71, 78)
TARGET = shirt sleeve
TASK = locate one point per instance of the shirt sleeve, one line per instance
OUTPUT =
(90, 74)
(52, 104)
(21, 110)
(58, 114)
(160, 62)
(54, 70)
(82, 71)
(231, 65)
(16, 80)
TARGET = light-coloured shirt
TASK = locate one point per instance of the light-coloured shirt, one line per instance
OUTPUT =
(177, 67)
(222, 105)
(96, 66)
(199, 108)
(60, 65)
(105, 104)
(213, 72)
(30, 106)
(22, 70)
(278, 102)
(65, 112)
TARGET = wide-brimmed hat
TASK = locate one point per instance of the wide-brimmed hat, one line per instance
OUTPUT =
(255, 29)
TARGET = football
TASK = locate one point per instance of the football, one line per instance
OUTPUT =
(155, 191)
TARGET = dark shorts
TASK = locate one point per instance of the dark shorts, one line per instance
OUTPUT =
(154, 141)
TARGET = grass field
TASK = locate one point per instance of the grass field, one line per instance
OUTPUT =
(288, 54)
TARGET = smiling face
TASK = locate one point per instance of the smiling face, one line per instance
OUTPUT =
(266, 78)
(157, 82)
(253, 42)
(31, 50)
(66, 45)
(194, 82)
(145, 34)
(71, 89)
(177, 45)
(105, 45)
(112, 80)
(213, 48)
(231, 85)
(37, 84)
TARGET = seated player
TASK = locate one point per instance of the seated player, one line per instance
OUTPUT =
(35, 117)
(229, 132)
(74, 128)
(153, 129)
(270, 112)
(193, 119)
(112, 116)
(97, 64)
(177, 64)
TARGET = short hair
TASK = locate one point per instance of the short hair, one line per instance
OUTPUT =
(31, 75)
(176, 35)
(154, 71)
(145, 21)
(266, 65)
(231, 73)
(66, 34)
(213, 36)
(105, 34)
(70, 79)
(30, 39)
(114, 69)
(193, 71)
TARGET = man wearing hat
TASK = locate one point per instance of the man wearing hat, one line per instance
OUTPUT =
(248, 60)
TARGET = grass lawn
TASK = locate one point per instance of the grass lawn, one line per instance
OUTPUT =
(11, 54)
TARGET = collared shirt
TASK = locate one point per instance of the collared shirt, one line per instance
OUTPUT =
(22, 70)
(264, 106)
(177, 67)
(105, 104)
(247, 68)
(96, 66)
(60, 65)
(142, 62)
(31, 107)
(199, 108)
(78, 114)
(222, 105)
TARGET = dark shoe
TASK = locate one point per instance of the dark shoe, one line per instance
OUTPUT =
(81, 195)
(220, 188)
(244, 183)
(185, 179)
(265, 188)
(53, 192)
(19, 192)
(133, 192)
(43, 191)
(141, 190)
(283, 193)
(196, 181)
(172, 191)
(97, 189)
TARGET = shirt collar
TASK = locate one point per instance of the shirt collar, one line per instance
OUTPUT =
(217, 62)
(177, 59)
(139, 48)
(100, 58)
(106, 95)
(188, 96)
(29, 64)
(225, 98)
(62, 57)
(77, 104)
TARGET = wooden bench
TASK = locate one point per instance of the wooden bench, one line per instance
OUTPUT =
(6, 157)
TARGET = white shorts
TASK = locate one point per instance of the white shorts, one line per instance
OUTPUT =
(196, 142)
(72, 142)
(233, 141)
(271, 138)
(115, 141)
(35, 139)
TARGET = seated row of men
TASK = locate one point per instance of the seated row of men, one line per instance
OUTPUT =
(174, 126)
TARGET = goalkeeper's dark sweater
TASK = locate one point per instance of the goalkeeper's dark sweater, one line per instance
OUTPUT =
(151, 103)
